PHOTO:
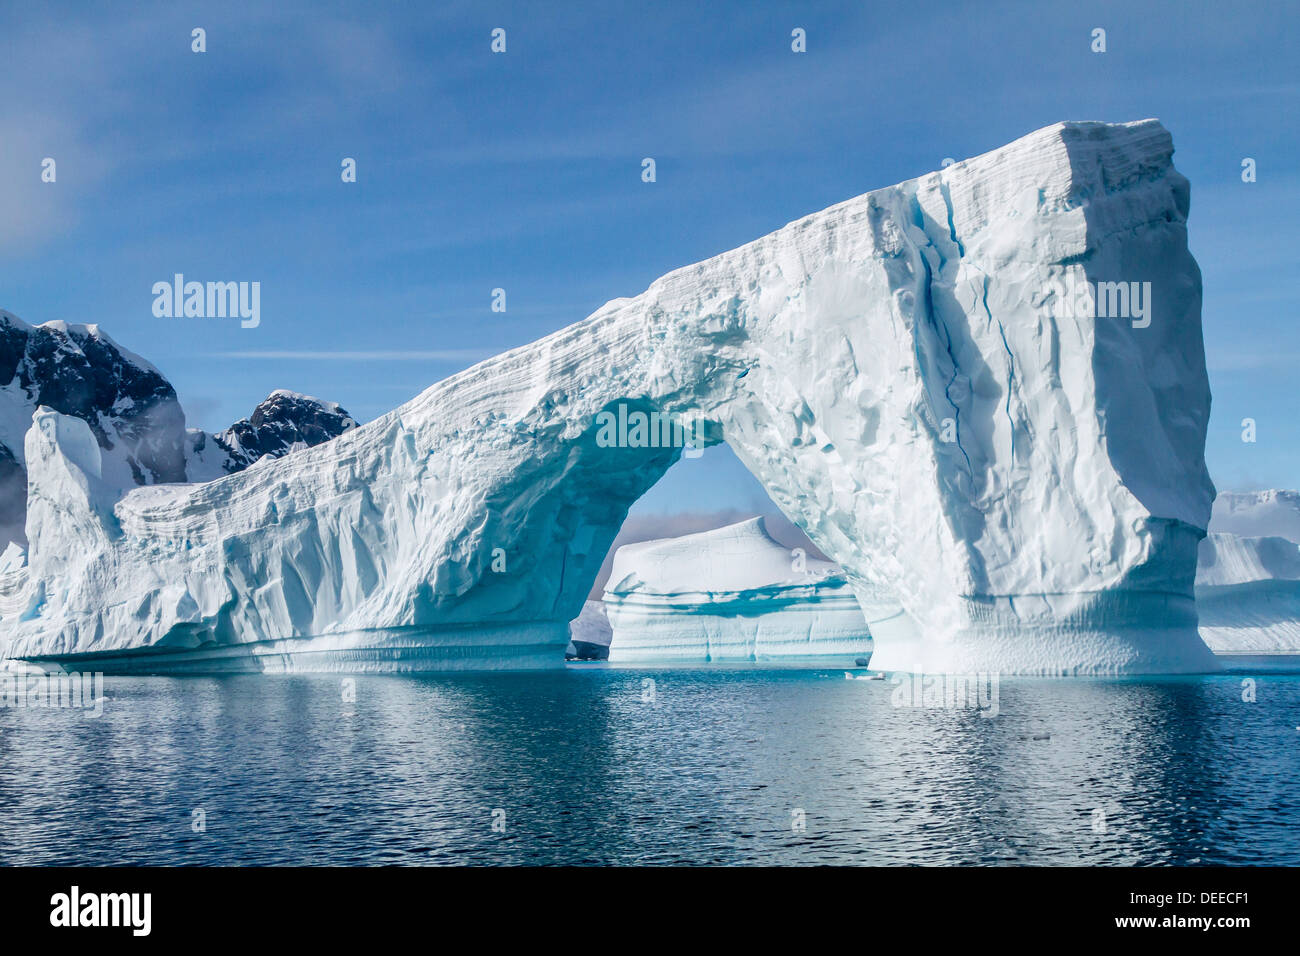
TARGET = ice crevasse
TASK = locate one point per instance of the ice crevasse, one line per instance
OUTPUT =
(1010, 483)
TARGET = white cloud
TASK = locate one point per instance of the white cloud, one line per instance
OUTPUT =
(407, 355)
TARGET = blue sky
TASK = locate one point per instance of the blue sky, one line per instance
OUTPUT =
(522, 171)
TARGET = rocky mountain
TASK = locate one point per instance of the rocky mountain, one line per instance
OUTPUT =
(132, 410)
(133, 414)
(284, 421)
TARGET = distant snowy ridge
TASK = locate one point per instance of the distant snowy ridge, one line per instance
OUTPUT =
(1009, 485)
(1272, 512)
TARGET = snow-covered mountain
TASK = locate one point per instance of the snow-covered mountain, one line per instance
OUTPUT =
(284, 421)
(77, 370)
(1010, 473)
(730, 594)
(133, 414)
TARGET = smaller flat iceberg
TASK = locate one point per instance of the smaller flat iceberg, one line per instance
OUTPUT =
(589, 634)
(731, 594)
(1248, 600)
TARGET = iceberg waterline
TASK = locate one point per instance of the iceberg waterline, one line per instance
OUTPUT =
(733, 593)
(1006, 488)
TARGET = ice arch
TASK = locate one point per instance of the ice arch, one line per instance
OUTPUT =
(1013, 484)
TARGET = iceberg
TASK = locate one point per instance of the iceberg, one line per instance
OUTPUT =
(1248, 580)
(1248, 597)
(731, 594)
(589, 634)
(982, 393)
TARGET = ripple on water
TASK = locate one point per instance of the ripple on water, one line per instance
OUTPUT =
(722, 766)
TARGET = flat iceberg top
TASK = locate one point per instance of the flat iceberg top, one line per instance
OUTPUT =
(739, 557)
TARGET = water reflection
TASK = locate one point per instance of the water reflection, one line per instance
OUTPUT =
(715, 766)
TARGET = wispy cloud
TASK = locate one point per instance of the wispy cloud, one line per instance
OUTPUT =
(1249, 361)
(427, 355)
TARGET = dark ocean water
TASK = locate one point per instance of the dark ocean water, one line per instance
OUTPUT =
(720, 766)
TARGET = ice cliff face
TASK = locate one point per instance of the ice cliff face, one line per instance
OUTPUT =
(1229, 560)
(731, 594)
(1010, 482)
